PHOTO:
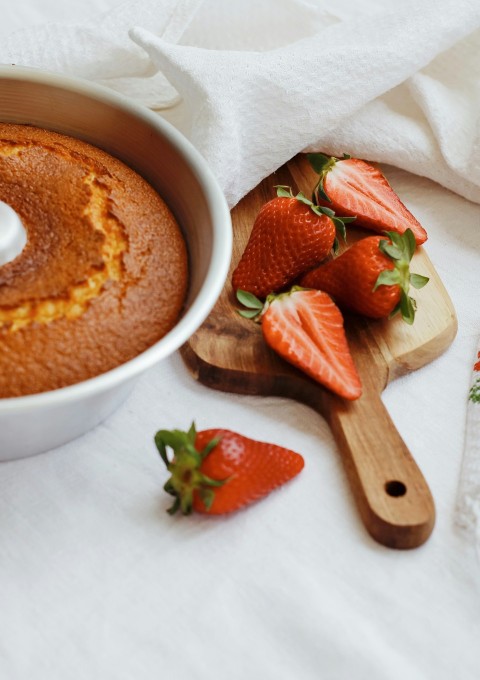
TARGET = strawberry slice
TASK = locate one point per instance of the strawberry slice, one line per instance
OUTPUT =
(218, 471)
(358, 189)
(305, 327)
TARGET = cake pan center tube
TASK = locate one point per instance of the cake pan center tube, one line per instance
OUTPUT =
(13, 236)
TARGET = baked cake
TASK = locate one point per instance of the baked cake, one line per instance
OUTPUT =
(103, 275)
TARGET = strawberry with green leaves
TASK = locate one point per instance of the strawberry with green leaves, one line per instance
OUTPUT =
(218, 471)
(356, 188)
(305, 328)
(290, 235)
(372, 277)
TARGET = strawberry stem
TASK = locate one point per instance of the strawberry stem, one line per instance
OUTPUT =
(184, 467)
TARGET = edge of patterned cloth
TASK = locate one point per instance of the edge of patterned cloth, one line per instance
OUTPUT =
(468, 498)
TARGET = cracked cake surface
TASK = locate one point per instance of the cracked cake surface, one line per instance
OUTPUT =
(104, 273)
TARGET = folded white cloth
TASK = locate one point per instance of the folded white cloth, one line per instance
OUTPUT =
(101, 51)
(396, 84)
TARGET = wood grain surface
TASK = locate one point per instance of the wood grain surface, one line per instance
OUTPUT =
(228, 353)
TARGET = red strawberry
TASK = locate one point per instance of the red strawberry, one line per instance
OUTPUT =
(372, 277)
(218, 471)
(290, 235)
(354, 187)
(305, 327)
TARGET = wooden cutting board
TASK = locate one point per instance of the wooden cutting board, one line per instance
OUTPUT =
(228, 353)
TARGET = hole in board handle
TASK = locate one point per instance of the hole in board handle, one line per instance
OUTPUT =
(395, 488)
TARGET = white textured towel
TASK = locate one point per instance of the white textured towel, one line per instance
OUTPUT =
(396, 84)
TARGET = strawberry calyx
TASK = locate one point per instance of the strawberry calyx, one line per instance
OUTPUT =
(255, 307)
(322, 164)
(400, 250)
(184, 466)
(284, 191)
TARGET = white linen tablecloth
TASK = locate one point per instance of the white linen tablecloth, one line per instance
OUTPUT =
(97, 581)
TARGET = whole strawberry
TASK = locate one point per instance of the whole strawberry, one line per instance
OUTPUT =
(218, 471)
(372, 277)
(305, 328)
(354, 187)
(290, 235)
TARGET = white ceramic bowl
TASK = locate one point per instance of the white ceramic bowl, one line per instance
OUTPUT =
(156, 150)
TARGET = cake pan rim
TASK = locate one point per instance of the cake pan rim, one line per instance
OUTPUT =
(220, 257)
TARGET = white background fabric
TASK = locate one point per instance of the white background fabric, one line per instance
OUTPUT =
(96, 580)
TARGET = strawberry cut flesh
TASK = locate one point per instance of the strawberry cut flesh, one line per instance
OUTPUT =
(356, 188)
(305, 327)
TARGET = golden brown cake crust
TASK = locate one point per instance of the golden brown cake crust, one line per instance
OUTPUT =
(104, 273)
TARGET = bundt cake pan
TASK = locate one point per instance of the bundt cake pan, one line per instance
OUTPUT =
(156, 150)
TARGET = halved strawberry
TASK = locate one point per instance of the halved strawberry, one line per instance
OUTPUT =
(218, 471)
(356, 188)
(305, 327)
(372, 277)
(290, 235)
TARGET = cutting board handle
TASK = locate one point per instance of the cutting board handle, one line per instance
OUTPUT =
(392, 495)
